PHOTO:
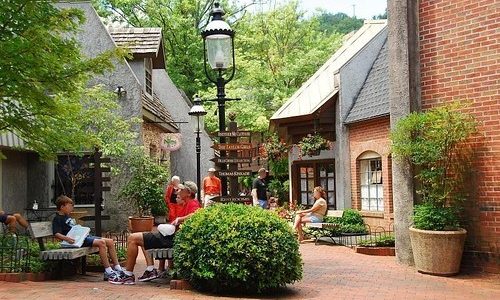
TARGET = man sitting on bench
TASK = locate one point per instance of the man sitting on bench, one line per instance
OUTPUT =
(314, 214)
(156, 240)
(10, 220)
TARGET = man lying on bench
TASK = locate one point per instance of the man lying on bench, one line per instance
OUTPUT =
(312, 215)
(10, 220)
(157, 240)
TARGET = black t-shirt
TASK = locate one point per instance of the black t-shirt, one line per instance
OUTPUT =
(261, 186)
(62, 224)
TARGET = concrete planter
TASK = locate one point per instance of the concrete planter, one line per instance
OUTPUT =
(437, 252)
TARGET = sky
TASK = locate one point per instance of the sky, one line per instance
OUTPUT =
(364, 9)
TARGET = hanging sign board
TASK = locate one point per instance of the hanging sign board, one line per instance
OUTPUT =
(225, 173)
(234, 133)
(232, 199)
(170, 141)
(229, 147)
(231, 160)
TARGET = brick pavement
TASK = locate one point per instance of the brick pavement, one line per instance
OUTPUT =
(330, 272)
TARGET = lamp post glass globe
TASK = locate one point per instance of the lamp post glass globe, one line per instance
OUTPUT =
(218, 38)
(197, 114)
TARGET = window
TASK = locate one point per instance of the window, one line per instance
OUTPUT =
(372, 196)
(312, 174)
(149, 77)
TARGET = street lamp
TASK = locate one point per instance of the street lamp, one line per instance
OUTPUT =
(197, 114)
(218, 54)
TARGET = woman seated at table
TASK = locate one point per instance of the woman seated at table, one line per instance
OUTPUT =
(314, 214)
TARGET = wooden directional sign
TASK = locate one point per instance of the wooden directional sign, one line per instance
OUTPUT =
(232, 199)
(225, 173)
(234, 133)
(231, 160)
(229, 147)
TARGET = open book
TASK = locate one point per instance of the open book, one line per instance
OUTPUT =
(78, 233)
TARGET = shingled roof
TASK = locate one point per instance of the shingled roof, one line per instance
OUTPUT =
(138, 40)
(373, 99)
(154, 106)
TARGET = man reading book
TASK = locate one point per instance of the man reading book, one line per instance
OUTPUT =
(62, 224)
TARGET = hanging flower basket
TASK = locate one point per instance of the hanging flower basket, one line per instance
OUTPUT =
(312, 144)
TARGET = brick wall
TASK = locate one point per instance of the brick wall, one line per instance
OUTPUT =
(459, 52)
(372, 136)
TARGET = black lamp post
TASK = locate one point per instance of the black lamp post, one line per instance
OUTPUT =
(197, 114)
(218, 44)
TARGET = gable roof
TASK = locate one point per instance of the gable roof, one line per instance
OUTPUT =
(154, 106)
(138, 40)
(373, 98)
(320, 87)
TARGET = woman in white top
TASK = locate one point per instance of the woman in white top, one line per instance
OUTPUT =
(312, 215)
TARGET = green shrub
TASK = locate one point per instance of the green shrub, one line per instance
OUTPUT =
(431, 217)
(353, 228)
(231, 247)
(352, 217)
(386, 240)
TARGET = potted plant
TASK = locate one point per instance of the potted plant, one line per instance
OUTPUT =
(312, 144)
(436, 143)
(144, 192)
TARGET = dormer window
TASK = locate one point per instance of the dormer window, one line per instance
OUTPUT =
(149, 76)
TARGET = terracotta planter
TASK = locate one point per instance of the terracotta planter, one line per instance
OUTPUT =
(437, 252)
(2, 276)
(141, 224)
(378, 251)
(14, 277)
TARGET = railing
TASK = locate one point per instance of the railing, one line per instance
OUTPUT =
(372, 236)
(14, 253)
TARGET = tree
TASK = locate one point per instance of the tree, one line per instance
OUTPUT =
(43, 98)
(339, 22)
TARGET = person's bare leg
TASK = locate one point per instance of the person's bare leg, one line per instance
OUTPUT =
(11, 223)
(135, 240)
(148, 257)
(110, 244)
(103, 251)
(22, 221)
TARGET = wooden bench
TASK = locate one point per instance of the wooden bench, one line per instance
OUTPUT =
(326, 229)
(162, 253)
(40, 230)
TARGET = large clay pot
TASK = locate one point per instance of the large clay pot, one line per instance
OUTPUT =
(141, 224)
(437, 252)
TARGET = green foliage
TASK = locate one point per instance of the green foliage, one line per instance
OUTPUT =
(352, 217)
(431, 217)
(275, 149)
(246, 181)
(313, 143)
(339, 22)
(436, 143)
(279, 189)
(275, 51)
(386, 240)
(44, 76)
(231, 247)
(144, 190)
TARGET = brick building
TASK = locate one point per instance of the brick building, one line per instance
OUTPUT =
(459, 59)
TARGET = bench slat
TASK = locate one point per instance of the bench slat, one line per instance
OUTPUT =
(164, 253)
(67, 253)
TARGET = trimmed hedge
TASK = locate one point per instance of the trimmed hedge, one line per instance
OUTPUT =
(232, 247)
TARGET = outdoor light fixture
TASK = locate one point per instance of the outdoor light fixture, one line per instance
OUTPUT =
(218, 54)
(120, 91)
(197, 114)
